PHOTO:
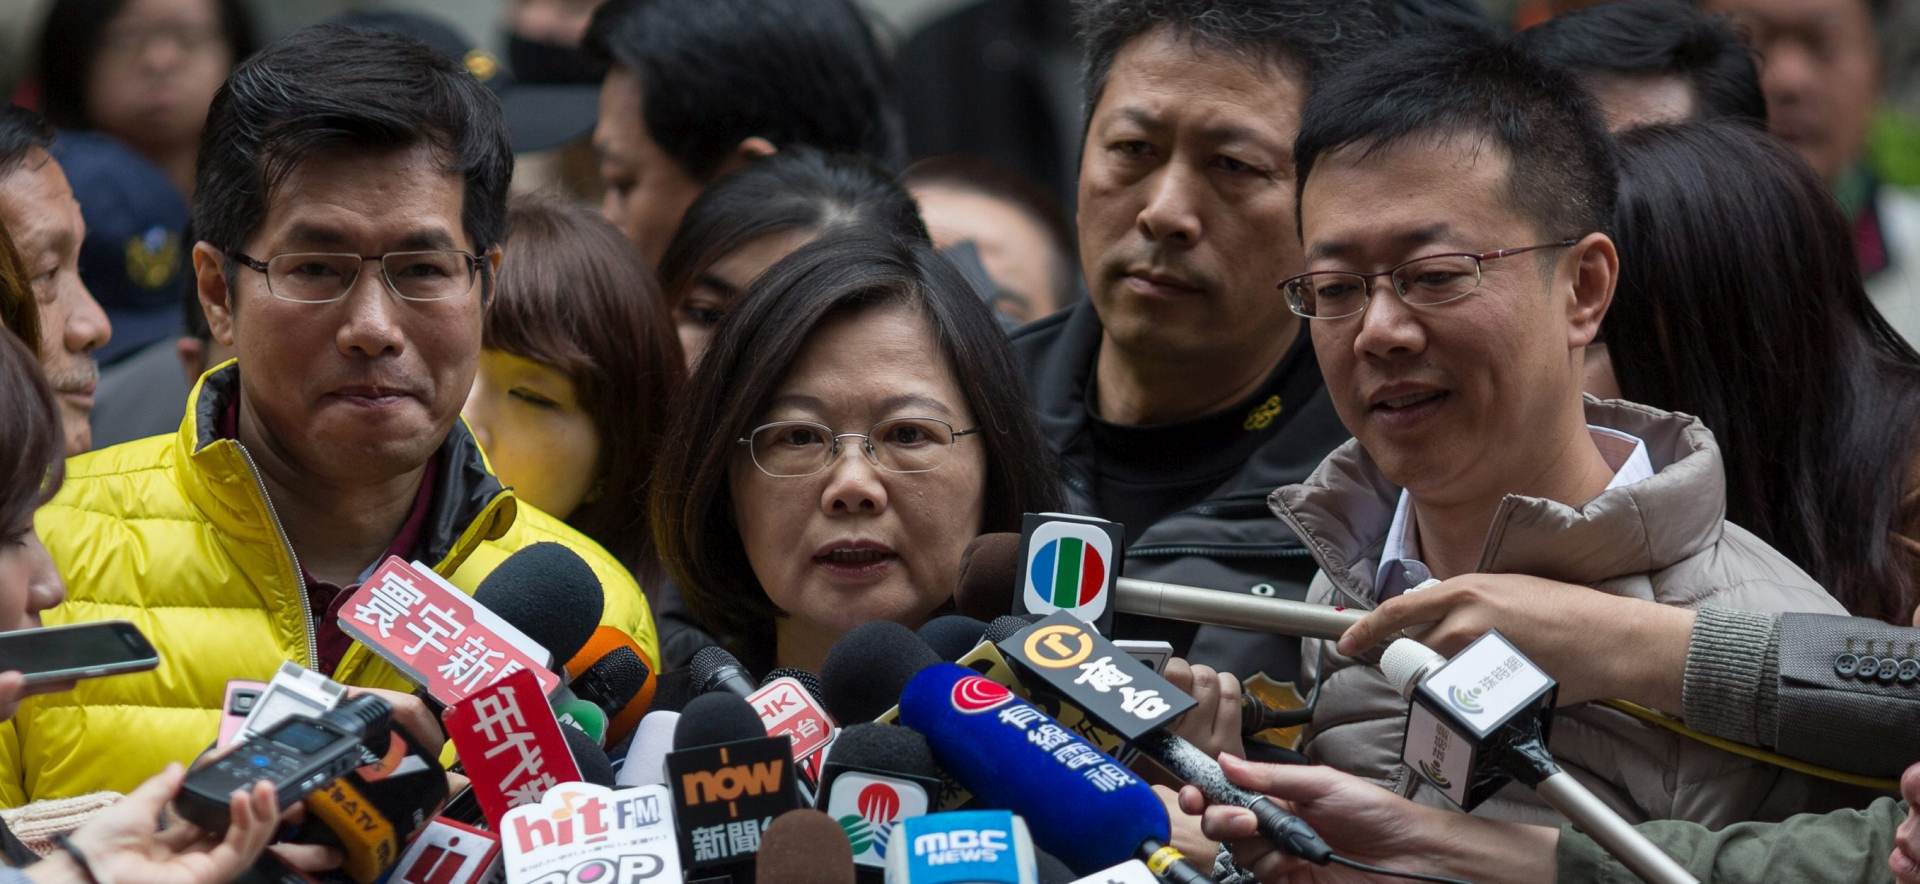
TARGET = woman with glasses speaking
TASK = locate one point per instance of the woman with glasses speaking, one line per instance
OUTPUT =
(855, 422)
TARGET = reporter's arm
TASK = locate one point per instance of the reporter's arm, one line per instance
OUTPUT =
(1841, 847)
(1573, 632)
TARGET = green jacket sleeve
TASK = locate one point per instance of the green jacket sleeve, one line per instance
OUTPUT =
(1841, 847)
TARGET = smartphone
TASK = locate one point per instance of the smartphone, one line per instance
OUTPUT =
(1151, 652)
(82, 650)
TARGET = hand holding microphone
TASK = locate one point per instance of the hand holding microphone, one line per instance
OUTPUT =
(1574, 632)
(1369, 825)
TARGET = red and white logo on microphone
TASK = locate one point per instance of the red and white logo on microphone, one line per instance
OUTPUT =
(975, 694)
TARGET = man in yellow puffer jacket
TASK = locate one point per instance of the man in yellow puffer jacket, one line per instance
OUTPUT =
(350, 202)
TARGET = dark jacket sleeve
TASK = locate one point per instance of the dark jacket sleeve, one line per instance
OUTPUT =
(1841, 692)
(1841, 847)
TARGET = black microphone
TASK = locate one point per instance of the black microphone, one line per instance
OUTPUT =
(1096, 687)
(728, 778)
(806, 679)
(548, 592)
(952, 636)
(804, 847)
(716, 670)
(595, 767)
(714, 718)
(868, 667)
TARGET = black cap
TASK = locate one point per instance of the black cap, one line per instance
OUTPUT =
(548, 592)
(714, 718)
(868, 668)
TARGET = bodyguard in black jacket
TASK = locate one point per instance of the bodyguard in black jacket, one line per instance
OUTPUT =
(1227, 539)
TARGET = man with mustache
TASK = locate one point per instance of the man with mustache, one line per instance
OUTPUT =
(350, 203)
(38, 211)
(1183, 391)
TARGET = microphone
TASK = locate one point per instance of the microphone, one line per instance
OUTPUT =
(788, 703)
(646, 763)
(449, 852)
(672, 691)
(512, 746)
(1482, 718)
(804, 847)
(370, 813)
(877, 776)
(716, 670)
(990, 572)
(868, 667)
(549, 593)
(594, 765)
(610, 672)
(1127, 697)
(728, 781)
(1081, 804)
(582, 832)
(971, 846)
(716, 718)
(953, 635)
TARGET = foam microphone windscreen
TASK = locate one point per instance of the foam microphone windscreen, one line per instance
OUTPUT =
(806, 679)
(952, 636)
(1004, 626)
(885, 748)
(610, 673)
(595, 766)
(804, 847)
(548, 592)
(989, 572)
(672, 691)
(716, 717)
(868, 668)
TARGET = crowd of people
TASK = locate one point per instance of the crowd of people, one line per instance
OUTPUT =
(1600, 333)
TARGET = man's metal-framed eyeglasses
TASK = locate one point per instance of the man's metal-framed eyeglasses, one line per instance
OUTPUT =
(1426, 281)
(325, 277)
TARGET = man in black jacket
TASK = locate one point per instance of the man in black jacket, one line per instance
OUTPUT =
(1183, 391)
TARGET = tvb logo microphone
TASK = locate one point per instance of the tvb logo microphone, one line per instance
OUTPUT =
(1071, 565)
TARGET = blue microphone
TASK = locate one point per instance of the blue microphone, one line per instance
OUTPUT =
(1080, 804)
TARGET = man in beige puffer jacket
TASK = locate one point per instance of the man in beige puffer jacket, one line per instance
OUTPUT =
(1452, 199)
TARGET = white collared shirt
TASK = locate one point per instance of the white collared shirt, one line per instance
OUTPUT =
(1400, 565)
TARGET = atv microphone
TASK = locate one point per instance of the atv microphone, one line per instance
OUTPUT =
(990, 577)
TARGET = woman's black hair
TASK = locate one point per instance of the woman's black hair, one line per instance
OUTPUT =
(795, 189)
(71, 39)
(752, 351)
(1740, 302)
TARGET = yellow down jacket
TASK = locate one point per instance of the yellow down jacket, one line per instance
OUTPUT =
(176, 534)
